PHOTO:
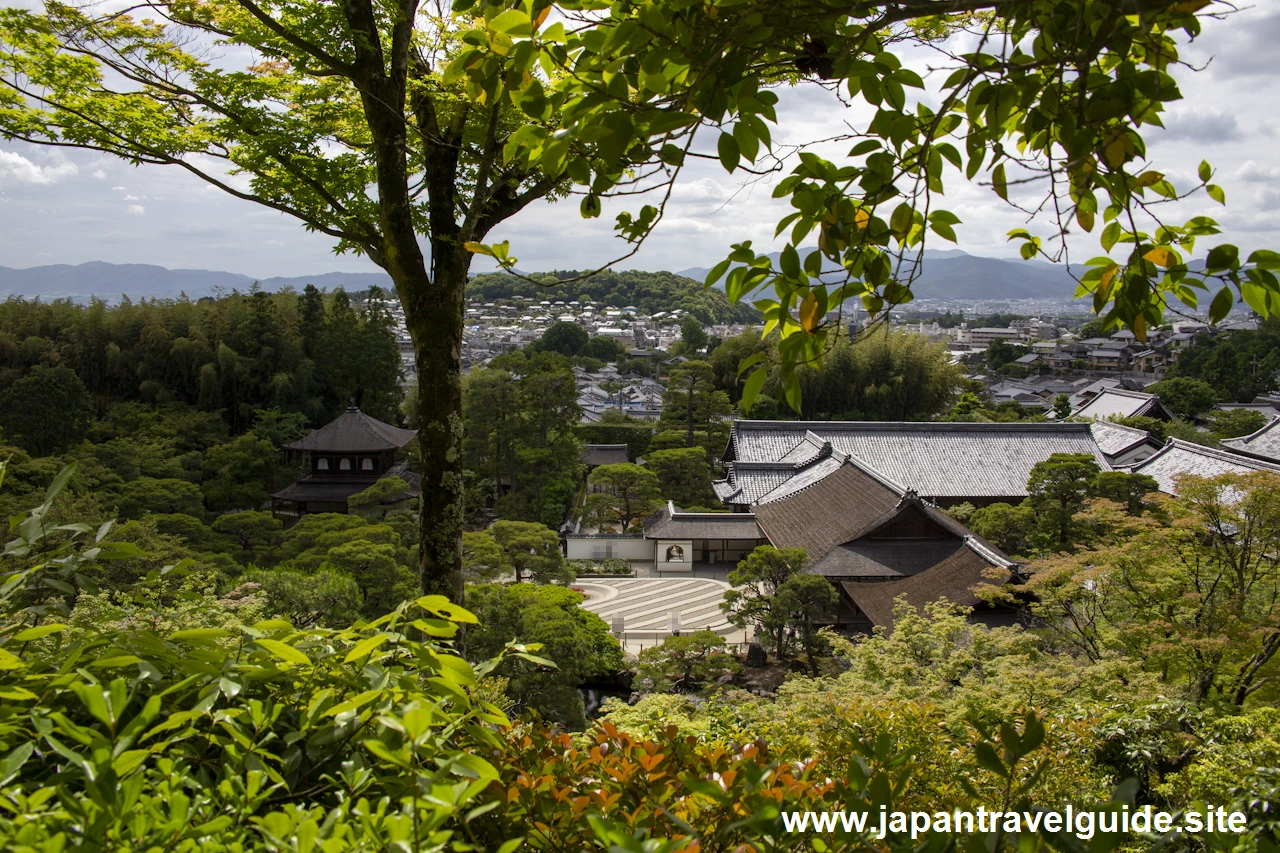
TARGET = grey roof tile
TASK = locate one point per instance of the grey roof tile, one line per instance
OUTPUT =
(1263, 444)
(940, 460)
(1180, 458)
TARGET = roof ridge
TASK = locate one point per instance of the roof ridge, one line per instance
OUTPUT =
(986, 553)
(935, 426)
(1257, 433)
(1212, 452)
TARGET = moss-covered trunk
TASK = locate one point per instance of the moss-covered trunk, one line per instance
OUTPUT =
(434, 320)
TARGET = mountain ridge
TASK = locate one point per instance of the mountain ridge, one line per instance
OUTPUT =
(947, 274)
(956, 274)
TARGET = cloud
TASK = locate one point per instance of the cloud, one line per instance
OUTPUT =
(119, 189)
(99, 174)
(1267, 199)
(136, 210)
(1201, 125)
(1253, 173)
(132, 197)
(18, 168)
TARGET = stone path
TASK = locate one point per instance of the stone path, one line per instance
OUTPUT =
(645, 604)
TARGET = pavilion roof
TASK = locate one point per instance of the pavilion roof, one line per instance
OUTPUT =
(354, 432)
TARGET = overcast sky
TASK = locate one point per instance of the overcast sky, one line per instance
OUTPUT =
(73, 207)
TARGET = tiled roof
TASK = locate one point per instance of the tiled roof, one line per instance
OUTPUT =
(1264, 444)
(672, 523)
(954, 579)
(353, 432)
(937, 460)
(1118, 402)
(604, 454)
(1178, 458)
(885, 558)
(832, 512)
(1115, 439)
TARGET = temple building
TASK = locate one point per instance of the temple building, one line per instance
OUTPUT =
(343, 457)
(872, 538)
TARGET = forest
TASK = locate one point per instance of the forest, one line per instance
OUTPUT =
(650, 292)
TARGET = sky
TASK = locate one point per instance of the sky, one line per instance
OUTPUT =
(71, 207)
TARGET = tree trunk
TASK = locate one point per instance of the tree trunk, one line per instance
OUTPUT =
(433, 312)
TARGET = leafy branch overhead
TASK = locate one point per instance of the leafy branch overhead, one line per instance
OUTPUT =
(1048, 107)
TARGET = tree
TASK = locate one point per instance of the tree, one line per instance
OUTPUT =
(483, 559)
(1002, 353)
(754, 600)
(257, 533)
(1062, 406)
(1009, 528)
(692, 402)
(576, 640)
(166, 496)
(626, 494)
(808, 601)
(383, 582)
(885, 375)
(1095, 328)
(683, 475)
(1239, 365)
(387, 495)
(279, 427)
(1124, 488)
(686, 663)
(692, 335)
(568, 339)
(1187, 398)
(307, 599)
(237, 475)
(726, 358)
(1058, 487)
(1156, 428)
(1196, 602)
(46, 411)
(532, 551)
(1233, 423)
(371, 124)
(603, 349)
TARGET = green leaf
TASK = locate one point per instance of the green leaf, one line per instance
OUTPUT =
(513, 22)
(284, 651)
(200, 635)
(38, 632)
(727, 148)
(365, 647)
(12, 763)
(987, 758)
(751, 388)
(1216, 193)
(1221, 305)
(1206, 171)
(446, 609)
(999, 183)
(717, 272)
(1110, 235)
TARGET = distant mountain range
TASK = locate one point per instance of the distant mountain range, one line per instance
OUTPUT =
(951, 274)
(138, 281)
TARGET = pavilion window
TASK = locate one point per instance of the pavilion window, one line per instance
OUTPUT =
(344, 464)
(322, 464)
(366, 464)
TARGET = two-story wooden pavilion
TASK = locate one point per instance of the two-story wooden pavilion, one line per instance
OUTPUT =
(343, 457)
